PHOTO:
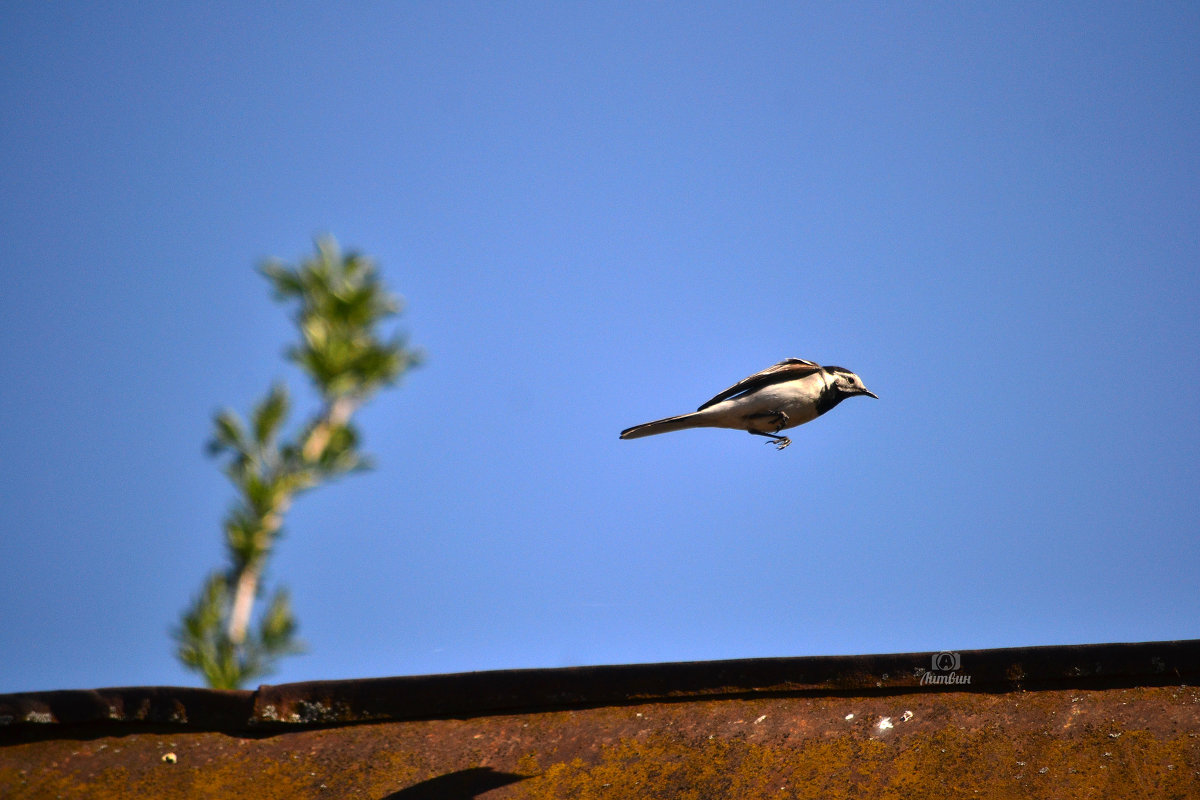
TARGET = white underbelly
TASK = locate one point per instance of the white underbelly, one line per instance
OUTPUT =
(758, 412)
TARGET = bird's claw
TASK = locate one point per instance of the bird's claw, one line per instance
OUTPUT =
(780, 442)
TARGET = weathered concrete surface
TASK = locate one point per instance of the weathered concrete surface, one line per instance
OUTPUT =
(1099, 721)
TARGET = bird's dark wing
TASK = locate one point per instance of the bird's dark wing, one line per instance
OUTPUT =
(787, 370)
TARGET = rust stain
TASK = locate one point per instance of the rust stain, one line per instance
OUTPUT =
(1109, 732)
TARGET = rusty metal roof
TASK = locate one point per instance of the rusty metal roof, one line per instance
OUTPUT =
(1114, 720)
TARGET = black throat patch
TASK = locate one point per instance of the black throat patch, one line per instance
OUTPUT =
(830, 396)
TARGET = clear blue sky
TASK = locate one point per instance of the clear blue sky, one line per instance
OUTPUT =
(600, 214)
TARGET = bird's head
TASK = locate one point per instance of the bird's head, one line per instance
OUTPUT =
(847, 383)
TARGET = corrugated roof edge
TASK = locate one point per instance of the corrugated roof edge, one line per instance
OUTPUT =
(474, 694)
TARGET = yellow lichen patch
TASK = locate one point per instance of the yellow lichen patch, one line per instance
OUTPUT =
(948, 764)
(528, 764)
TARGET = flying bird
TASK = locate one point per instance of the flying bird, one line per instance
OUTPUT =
(788, 394)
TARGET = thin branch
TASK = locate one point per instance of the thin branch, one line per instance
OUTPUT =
(341, 302)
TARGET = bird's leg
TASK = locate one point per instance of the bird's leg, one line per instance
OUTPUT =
(777, 420)
(780, 442)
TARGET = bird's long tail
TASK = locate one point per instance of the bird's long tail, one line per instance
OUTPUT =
(693, 420)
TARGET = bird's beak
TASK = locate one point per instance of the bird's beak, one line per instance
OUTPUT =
(870, 394)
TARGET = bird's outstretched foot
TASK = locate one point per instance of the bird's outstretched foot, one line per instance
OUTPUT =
(780, 442)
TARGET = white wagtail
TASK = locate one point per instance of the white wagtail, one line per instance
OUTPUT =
(791, 393)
